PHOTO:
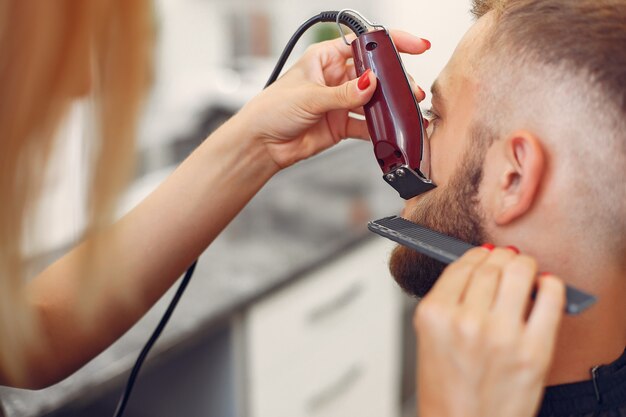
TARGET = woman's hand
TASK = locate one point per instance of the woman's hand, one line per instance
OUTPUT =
(483, 350)
(306, 110)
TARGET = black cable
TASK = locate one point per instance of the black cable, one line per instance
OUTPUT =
(346, 19)
(121, 405)
(358, 27)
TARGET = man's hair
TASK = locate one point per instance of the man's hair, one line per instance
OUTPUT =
(559, 67)
(585, 35)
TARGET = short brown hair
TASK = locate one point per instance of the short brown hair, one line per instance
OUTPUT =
(588, 35)
(559, 67)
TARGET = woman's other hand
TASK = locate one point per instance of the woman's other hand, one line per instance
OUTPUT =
(484, 349)
(307, 109)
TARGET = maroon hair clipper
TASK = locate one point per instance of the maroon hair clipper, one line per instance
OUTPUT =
(393, 117)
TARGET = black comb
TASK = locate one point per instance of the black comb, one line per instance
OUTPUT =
(447, 249)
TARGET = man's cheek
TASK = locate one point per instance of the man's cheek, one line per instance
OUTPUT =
(446, 154)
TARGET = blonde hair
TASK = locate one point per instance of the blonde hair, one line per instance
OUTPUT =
(52, 52)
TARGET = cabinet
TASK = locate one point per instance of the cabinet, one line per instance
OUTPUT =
(328, 345)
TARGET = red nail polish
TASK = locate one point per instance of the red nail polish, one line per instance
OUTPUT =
(425, 122)
(543, 274)
(513, 249)
(427, 42)
(488, 246)
(364, 80)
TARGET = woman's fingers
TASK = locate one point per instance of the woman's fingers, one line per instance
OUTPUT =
(340, 97)
(350, 70)
(518, 280)
(419, 94)
(409, 44)
(450, 286)
(482, 289)
(546, 314)
(352, 94)
(357, 129)
(404, 41)
(498, 281)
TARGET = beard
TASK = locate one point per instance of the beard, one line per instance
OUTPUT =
(452, 210)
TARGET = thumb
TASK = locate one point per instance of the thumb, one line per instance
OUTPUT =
(349, 95)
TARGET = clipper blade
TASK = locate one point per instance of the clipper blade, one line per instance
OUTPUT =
(447, 249)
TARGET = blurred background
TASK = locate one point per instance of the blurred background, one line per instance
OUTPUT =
(292, 311)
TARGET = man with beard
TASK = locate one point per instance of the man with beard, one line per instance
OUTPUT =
(528, 147)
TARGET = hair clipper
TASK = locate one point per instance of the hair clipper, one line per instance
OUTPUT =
(393, 117)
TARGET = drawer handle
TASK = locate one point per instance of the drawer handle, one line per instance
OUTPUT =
(336, 304)
(336, 389)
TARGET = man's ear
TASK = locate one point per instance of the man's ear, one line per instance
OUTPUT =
(521, 178)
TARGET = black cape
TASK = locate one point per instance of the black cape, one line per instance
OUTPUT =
(602, 396)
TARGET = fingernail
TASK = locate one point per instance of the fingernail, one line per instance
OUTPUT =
(425, 122)
(364, 80)
(421, 91)
(427, 42)
(488, 246)
(513, 249)
(545, 274)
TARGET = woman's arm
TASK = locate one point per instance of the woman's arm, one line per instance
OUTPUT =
(86, 306)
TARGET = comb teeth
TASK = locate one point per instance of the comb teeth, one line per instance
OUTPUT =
(447, 249)
(441, 247)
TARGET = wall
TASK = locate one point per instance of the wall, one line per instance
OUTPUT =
(442, 22)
